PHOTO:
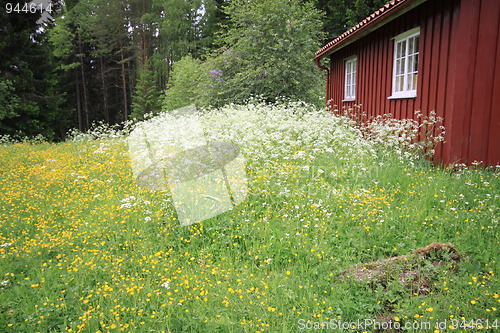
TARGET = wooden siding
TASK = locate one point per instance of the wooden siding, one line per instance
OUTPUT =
(475, 125)
(458, 74)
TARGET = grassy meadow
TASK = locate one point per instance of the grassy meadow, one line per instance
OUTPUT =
(84, 249)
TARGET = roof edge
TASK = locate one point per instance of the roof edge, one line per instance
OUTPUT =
(381, 17)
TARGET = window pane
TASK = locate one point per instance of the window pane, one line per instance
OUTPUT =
(406, 63)
(409, 82)
(402, 49)
(350, 79)
(397, 83)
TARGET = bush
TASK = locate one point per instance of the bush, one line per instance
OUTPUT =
(188, 84)
(417, 138)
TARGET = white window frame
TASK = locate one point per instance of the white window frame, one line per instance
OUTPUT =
(405, 71)
(351, 65)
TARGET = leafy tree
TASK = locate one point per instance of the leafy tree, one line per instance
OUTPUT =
(269, 46)
(188, 84)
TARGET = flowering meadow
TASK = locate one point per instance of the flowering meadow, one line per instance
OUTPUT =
(84, 249)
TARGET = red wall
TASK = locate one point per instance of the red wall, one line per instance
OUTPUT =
(459, 74)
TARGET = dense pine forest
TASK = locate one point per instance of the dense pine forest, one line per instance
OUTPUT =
(70, 64)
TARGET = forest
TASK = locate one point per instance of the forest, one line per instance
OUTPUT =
(70, 64)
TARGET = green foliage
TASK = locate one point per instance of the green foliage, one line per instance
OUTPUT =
(29, 87)
(341, 15)
(88, 65)
(361, 9)
(267, 51)
(146, 96)
(61, 37)
(8, 100)
(181, 23)
(187, 85)
(273, 43)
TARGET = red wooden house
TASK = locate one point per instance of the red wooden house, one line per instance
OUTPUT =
(441, 55)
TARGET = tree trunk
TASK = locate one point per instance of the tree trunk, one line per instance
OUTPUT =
(104, 92)
(84, 84)
(123, 71)
(144, 30)
(78, 102)
(124, 78)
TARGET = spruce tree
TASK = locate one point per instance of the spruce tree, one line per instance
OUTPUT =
(146, 95)
(29, 85)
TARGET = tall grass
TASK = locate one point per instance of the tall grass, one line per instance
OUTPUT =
(83, 249)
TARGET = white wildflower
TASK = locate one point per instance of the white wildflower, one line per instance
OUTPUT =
(126, 205)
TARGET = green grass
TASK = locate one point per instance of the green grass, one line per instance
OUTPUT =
(92, 252)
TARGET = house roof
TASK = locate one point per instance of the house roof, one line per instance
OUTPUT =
(382, 16)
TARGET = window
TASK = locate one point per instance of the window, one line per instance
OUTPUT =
(405, 70)
(350, 79)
